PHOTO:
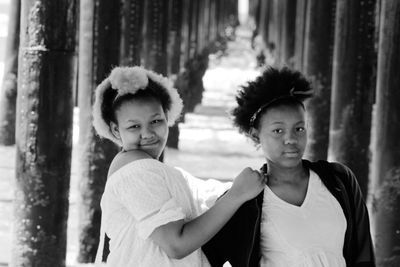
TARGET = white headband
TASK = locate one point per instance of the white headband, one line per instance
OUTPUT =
(128, 80)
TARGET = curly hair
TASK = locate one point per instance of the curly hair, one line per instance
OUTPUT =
(274, 87)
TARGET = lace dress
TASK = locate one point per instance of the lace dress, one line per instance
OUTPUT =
(142, 196)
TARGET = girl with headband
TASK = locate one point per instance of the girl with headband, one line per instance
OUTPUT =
(310, 214)
(149, 209)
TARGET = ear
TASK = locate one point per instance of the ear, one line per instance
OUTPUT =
(115, 130)
(253, 133)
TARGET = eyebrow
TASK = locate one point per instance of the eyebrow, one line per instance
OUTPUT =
(152, 116)
(281, 122)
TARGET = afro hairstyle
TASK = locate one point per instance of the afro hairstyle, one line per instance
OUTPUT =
(273, 87)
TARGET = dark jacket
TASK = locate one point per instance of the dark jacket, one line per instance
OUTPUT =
(238, 242)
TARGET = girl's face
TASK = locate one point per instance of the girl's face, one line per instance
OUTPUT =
(142, 124)
(282, 135)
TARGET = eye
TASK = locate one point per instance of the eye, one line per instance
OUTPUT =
(157, 121)
(277, 131)
(300, 129)
(134, 126)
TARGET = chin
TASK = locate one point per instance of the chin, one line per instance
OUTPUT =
(291, 162)
(155, 154)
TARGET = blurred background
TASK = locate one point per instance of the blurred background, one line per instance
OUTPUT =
(53, 54)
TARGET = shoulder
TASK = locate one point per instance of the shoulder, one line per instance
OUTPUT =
(341, 169)
(327, 166)
(125, 157)
(337, 169)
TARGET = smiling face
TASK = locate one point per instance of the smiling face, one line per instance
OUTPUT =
(282, 135)
(142, 124)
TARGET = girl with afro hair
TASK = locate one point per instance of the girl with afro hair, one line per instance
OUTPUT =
(310, 214)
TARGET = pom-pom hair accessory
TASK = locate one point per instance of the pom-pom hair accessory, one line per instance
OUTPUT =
(128, 80)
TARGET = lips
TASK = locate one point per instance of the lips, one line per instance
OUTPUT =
(291, 153)
(152, 143)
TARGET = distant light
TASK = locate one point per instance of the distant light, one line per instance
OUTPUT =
(243, 11)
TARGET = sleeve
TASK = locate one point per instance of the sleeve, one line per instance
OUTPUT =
(364, 253)
(238, 239)
(205, 192)
(144, 193)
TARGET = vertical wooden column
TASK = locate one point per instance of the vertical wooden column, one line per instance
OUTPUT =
(301, 15)
(99, 51)
(274, 29)
(353, 86)
(213, 21)
(44, 132)
(131, 32)
(201, 26)
(288, 31)
(8, 96)
(185, 33)
(385, 167)
(318, 53)
(193, 27)
(263, 23)
(175, 9)
(175, 26)
(155, 34)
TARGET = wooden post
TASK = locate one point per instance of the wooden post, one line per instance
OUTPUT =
(175, 26)
(220, 11)
(353, 87)
(8, 97)
(201, 31)
(44, 132)
(301, 15)
(274, 29)
(99, 51)
(193, 28)
(318, 53)
(264, 15)
(213, 21)
(288, 31)
(155, 35)
(385, 167)
(131, 32)
(175, 9)
(185, 34)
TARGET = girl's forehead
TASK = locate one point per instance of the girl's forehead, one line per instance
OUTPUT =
(140, 108)
(284, 113)
(141, 104)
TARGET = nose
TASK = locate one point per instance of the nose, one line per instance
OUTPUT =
(146, 133)
(290, 138)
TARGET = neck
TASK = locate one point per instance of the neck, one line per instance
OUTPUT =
(282, 174)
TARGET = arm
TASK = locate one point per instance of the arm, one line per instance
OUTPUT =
(365, 252)
(125, 157)
(363, 247)
(178, 239)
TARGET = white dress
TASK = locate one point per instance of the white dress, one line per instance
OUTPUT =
(142, 196)
(310, 235)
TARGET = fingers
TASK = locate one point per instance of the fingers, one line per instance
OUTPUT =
(264, 177)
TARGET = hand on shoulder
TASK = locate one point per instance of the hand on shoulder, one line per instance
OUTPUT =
(125, 157)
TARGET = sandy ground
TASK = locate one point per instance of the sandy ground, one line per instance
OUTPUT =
(210, 147)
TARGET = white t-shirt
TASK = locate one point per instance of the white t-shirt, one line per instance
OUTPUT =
(142, 196)
(310, 235)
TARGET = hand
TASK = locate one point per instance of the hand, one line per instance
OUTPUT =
(247, 185)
